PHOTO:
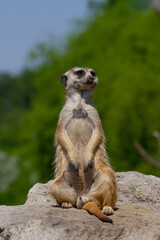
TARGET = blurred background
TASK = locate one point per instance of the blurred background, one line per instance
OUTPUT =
(120, 40)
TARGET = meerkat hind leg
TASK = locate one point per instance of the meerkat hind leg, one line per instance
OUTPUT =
(64, 194)
(103, 192)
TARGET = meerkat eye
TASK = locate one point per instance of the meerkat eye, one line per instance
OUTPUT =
(80, 73)
(93, 73)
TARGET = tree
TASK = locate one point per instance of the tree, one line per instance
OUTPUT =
(121, 43)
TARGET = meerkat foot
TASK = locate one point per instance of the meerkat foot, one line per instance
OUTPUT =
(66, 205)
(108, 210)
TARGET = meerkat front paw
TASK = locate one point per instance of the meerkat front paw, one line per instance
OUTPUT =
(66, 205)
(88, 165)
(88, 159)
(73, 167)
(73, 161)
(108, 210)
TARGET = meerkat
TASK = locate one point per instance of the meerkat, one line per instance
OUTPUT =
(83, 175)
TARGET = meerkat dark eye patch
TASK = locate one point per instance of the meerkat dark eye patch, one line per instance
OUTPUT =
(80, 73)
(93, 73)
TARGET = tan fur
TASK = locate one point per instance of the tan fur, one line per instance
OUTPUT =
(83, 173)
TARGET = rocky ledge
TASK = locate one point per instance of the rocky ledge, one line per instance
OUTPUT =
(137, 215)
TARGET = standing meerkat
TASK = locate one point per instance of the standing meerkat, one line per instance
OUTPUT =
(83, 175)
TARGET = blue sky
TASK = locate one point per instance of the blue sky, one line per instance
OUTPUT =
(23, 23)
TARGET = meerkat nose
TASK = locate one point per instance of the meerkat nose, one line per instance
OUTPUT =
(90, 79)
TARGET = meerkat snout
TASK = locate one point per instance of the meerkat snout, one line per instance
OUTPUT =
(90, 79)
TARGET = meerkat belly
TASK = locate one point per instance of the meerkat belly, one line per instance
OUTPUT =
(79, 131)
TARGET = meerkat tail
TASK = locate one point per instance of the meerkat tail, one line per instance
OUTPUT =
(92, 208)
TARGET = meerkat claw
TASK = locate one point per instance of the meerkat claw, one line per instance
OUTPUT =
(108, 210)
(66, 205)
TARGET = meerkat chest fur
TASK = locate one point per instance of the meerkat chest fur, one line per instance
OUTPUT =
(80, 126)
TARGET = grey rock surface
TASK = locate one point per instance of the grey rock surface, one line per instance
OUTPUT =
(138, 189)
(40, 218)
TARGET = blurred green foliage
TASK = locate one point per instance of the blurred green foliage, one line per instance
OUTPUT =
(120, 41)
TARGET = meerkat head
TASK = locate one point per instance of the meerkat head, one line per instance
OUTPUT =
(82, 79)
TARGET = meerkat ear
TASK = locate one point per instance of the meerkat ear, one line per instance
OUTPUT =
(64, 80)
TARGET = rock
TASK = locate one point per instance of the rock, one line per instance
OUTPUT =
(40, 194)
(138, 189)
(40, 218)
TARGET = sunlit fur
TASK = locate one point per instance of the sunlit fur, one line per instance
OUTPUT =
(83, 173)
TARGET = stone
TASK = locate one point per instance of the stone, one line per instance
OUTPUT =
(138, 189)
(40, 218)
